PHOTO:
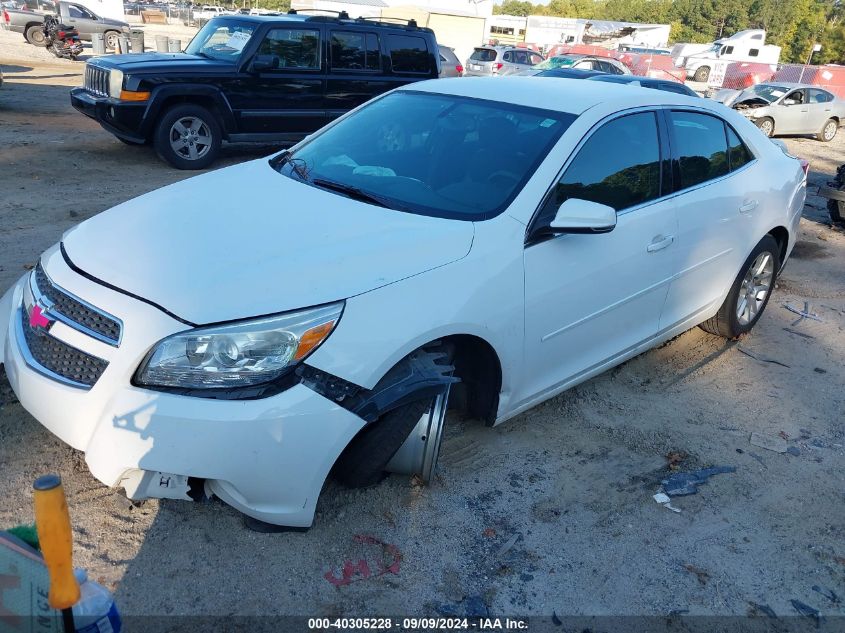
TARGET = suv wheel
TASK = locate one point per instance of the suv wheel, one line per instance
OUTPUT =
(35, 35)
(110, 38)
(750, 292)
(188, 137)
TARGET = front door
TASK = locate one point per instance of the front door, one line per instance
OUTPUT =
(792, 115)
(287, 100)
(591, 298)
(82, 20)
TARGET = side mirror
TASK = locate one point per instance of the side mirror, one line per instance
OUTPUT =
(264, 62)
(583, 216)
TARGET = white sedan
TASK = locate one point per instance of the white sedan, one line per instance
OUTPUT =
(245, 332)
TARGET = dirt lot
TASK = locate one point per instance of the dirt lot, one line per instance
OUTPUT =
(550, 512)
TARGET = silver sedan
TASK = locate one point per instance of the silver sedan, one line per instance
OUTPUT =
(780, 108)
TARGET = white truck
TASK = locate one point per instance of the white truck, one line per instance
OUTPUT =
(744, 46)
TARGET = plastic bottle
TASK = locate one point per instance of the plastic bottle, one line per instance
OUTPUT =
(96, 611)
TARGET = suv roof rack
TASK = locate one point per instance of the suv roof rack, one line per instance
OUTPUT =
(408, 22)
(341, 15)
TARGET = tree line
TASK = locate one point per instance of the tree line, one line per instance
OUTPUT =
(794, 25)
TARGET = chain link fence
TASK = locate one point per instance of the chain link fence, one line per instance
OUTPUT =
(742, 75)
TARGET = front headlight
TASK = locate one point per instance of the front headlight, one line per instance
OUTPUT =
(115, 83)
(240, 354)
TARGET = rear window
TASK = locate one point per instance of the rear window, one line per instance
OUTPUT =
(701, 145)
(408, 54)
(355, 51)
(483, 55)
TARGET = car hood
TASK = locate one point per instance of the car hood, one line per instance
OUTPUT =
(247, 241)
(154, 62)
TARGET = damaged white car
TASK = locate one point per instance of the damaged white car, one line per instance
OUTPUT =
(788, 108)
(246, 332)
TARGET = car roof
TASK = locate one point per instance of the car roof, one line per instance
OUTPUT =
(790, 84)
(572, 96)
(572, 73)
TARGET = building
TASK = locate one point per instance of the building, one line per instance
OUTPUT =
(547, 31)
(506, 29)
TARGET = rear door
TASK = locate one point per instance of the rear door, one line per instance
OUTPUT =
(820, 107)
(355, 73)
(718, 195)
(287, 100)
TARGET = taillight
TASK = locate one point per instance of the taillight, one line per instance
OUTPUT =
(459, 68)
(497, 66)
(6, 17)
(805, 165)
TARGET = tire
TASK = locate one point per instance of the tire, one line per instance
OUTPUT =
(828, 131)
(186, 149)
(727, 322)
(766, 125)
(701, 74)
(365, 461)
(55, 50)
(35, 35)
(110, 40)
(836, 209)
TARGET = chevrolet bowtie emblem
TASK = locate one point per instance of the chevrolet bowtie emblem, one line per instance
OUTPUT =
(37, 318)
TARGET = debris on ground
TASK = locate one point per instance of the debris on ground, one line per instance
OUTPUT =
(762, 359)
(507, 546)
(702, 574)
(664, 500)
(806, 610)
(675, 458)
(827, 593)
(797, 333)
(385, 558)
(489, 533)
(769, 442)
(794, 451)
(761, 608)
(681, 484)
(803, 314)
(470, 607)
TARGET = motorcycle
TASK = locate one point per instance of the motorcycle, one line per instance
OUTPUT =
(62, 40)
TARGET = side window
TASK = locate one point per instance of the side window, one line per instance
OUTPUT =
(738, 153)
(408, 54)
(295, 48)
(701, 146)
(753, 52)
(74, 11)
(619, 165)
(820, 96)
(507, 57)
(355, 51)
(535, 59)
(728, 50)
(794, 98)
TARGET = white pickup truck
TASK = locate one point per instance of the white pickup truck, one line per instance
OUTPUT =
(745, 46)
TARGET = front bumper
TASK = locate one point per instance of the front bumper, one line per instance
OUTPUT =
(120, 118)
(268, 458)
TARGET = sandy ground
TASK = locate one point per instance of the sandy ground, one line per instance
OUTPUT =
(550, 512)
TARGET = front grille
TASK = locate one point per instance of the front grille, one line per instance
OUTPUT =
(74, 312)
(96, 80)
(61, 359)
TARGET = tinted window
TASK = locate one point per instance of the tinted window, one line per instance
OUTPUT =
(619, 166)
(295, 48)
(483, 55)
(700, 144)
(507, 57)
(408, 54)
(432, 154)
(355, 51)
(753, 52)
(739, 154)
(820, 96)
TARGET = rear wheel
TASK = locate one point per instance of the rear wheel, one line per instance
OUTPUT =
(767, 126)
(188, 137)
(35, 35)
(750, 292)
(110, 38)
(702, 74)
(828, 131)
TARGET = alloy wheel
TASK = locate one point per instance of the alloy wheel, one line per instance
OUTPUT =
(190, 138)
(767, 128)
(111, 41)
(829, 131)
(755, 289)
(418, 454)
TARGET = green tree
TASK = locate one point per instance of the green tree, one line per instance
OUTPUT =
(515, 7)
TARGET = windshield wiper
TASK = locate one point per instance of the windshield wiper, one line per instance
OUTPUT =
(356, 194)
(297, 165)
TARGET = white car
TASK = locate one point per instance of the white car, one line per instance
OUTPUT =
(244, 332)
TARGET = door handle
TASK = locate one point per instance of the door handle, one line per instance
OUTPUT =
(748, 207)
(659, 243)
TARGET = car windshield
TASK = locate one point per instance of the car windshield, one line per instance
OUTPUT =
(556, 62)
(483, 55)
(221, 39)
(769, 92)
(430, 154)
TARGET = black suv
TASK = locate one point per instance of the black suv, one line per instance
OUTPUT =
(252, 79)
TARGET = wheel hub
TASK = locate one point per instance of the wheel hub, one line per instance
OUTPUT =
(755, 289)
